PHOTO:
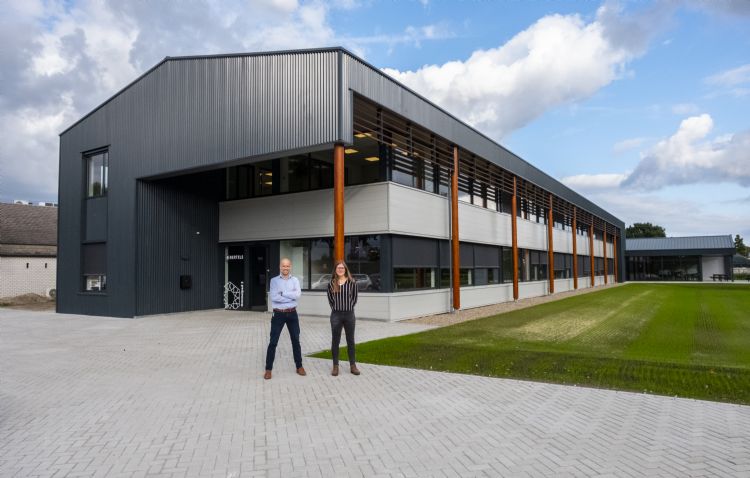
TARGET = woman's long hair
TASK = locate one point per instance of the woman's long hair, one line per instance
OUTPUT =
(335, 278)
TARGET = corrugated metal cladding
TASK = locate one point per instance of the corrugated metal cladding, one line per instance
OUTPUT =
(188, 113)
(376, 86)
(178, 235)
(200, 112)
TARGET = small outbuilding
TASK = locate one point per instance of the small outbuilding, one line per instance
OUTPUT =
(696, 258)
(28, 249)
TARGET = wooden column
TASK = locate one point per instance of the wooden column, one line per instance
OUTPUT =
(455, 256)
(614, 256)
(514, 228)
(605, 254)
(591, 251)
(338, 202)
(575, 251)
(550, 250)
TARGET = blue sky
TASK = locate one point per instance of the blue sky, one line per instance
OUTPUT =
(639, 105)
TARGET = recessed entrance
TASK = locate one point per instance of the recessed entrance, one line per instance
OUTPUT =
(245, 276)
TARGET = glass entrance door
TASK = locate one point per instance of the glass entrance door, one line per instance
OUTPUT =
(234, 277)
(258, 283)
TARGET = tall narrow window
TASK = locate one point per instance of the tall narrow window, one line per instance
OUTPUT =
(97, 165)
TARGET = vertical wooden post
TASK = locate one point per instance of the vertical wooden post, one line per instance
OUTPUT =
(591, 251)
(605, 254)
(338, 202)
(455, 257)
(550, 249)
(514, 240)
(575, 251)
(614, 254)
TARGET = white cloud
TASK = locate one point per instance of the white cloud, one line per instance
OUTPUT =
(683, 216)
(589, 182)
(733, 77)
(628, 145)
(689, 157)
(683, 109)
(559, 60)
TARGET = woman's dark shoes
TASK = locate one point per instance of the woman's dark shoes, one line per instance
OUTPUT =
(335, 371)
(354, 369)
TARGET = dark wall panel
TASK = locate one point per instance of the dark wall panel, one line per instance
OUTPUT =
(178, 235)
(96, 219)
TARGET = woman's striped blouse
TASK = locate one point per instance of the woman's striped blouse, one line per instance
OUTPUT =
(345, 299)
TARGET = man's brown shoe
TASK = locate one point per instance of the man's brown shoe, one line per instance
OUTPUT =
(301, 371)
(267, 375)
(354, 369)
(335, 371)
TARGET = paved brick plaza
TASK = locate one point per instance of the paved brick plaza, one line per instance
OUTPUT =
(182, 395)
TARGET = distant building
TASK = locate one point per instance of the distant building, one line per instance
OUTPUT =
(698, 258)
(28, 249)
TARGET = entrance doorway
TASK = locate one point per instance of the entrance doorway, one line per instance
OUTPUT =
(246, 276)
(258, 263)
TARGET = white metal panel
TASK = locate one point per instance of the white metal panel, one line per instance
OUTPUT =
(598, 248)
(562, 241)
(711, 266)
(532, 235)
(563, 285)
(308, 214)
(532, 289)
(415, 212)
(477, 224)
(406, 305)
(371, 306)
(582, 245)
(479, 296)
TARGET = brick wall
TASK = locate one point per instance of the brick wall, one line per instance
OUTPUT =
(16, 278)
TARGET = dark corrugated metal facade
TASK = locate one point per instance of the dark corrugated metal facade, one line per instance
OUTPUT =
(205, 113)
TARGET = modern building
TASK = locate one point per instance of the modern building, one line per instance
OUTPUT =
(28, 249)
(183, 191)
(696, 258)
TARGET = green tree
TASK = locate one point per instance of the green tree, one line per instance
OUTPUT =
(644, 229)
(740, 246)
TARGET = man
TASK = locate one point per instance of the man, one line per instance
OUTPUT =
(285, 291)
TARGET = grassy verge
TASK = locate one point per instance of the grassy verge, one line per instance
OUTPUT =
(680, 340)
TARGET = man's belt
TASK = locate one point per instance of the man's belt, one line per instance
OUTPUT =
(285, 310)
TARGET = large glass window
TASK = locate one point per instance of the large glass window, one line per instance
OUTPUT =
(97, 167)
(413, 278)
(362, 160)
(538, 265)
(298, 252)
(363, 258)
(563, 265)
(507, 265)
(321, 262)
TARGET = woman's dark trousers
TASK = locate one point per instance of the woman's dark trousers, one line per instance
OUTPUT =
(342, 320)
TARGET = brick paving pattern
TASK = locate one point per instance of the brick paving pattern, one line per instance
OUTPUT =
(182, 395)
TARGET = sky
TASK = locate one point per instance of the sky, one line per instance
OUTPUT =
(641, 106)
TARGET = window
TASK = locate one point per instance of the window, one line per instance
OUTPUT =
(507, 264)
(415, 262)
(97, 165)
(362, 255)
(298, 252)
(563, 266)
(321, 262)
(94, 266)
(413, 278)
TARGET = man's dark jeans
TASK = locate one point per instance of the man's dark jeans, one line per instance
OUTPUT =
(278, 321)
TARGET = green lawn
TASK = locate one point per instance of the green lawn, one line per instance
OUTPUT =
(668, 339)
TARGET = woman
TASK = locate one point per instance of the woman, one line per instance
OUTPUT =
(342, 296)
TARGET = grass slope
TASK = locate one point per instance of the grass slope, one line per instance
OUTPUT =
(670, 339)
